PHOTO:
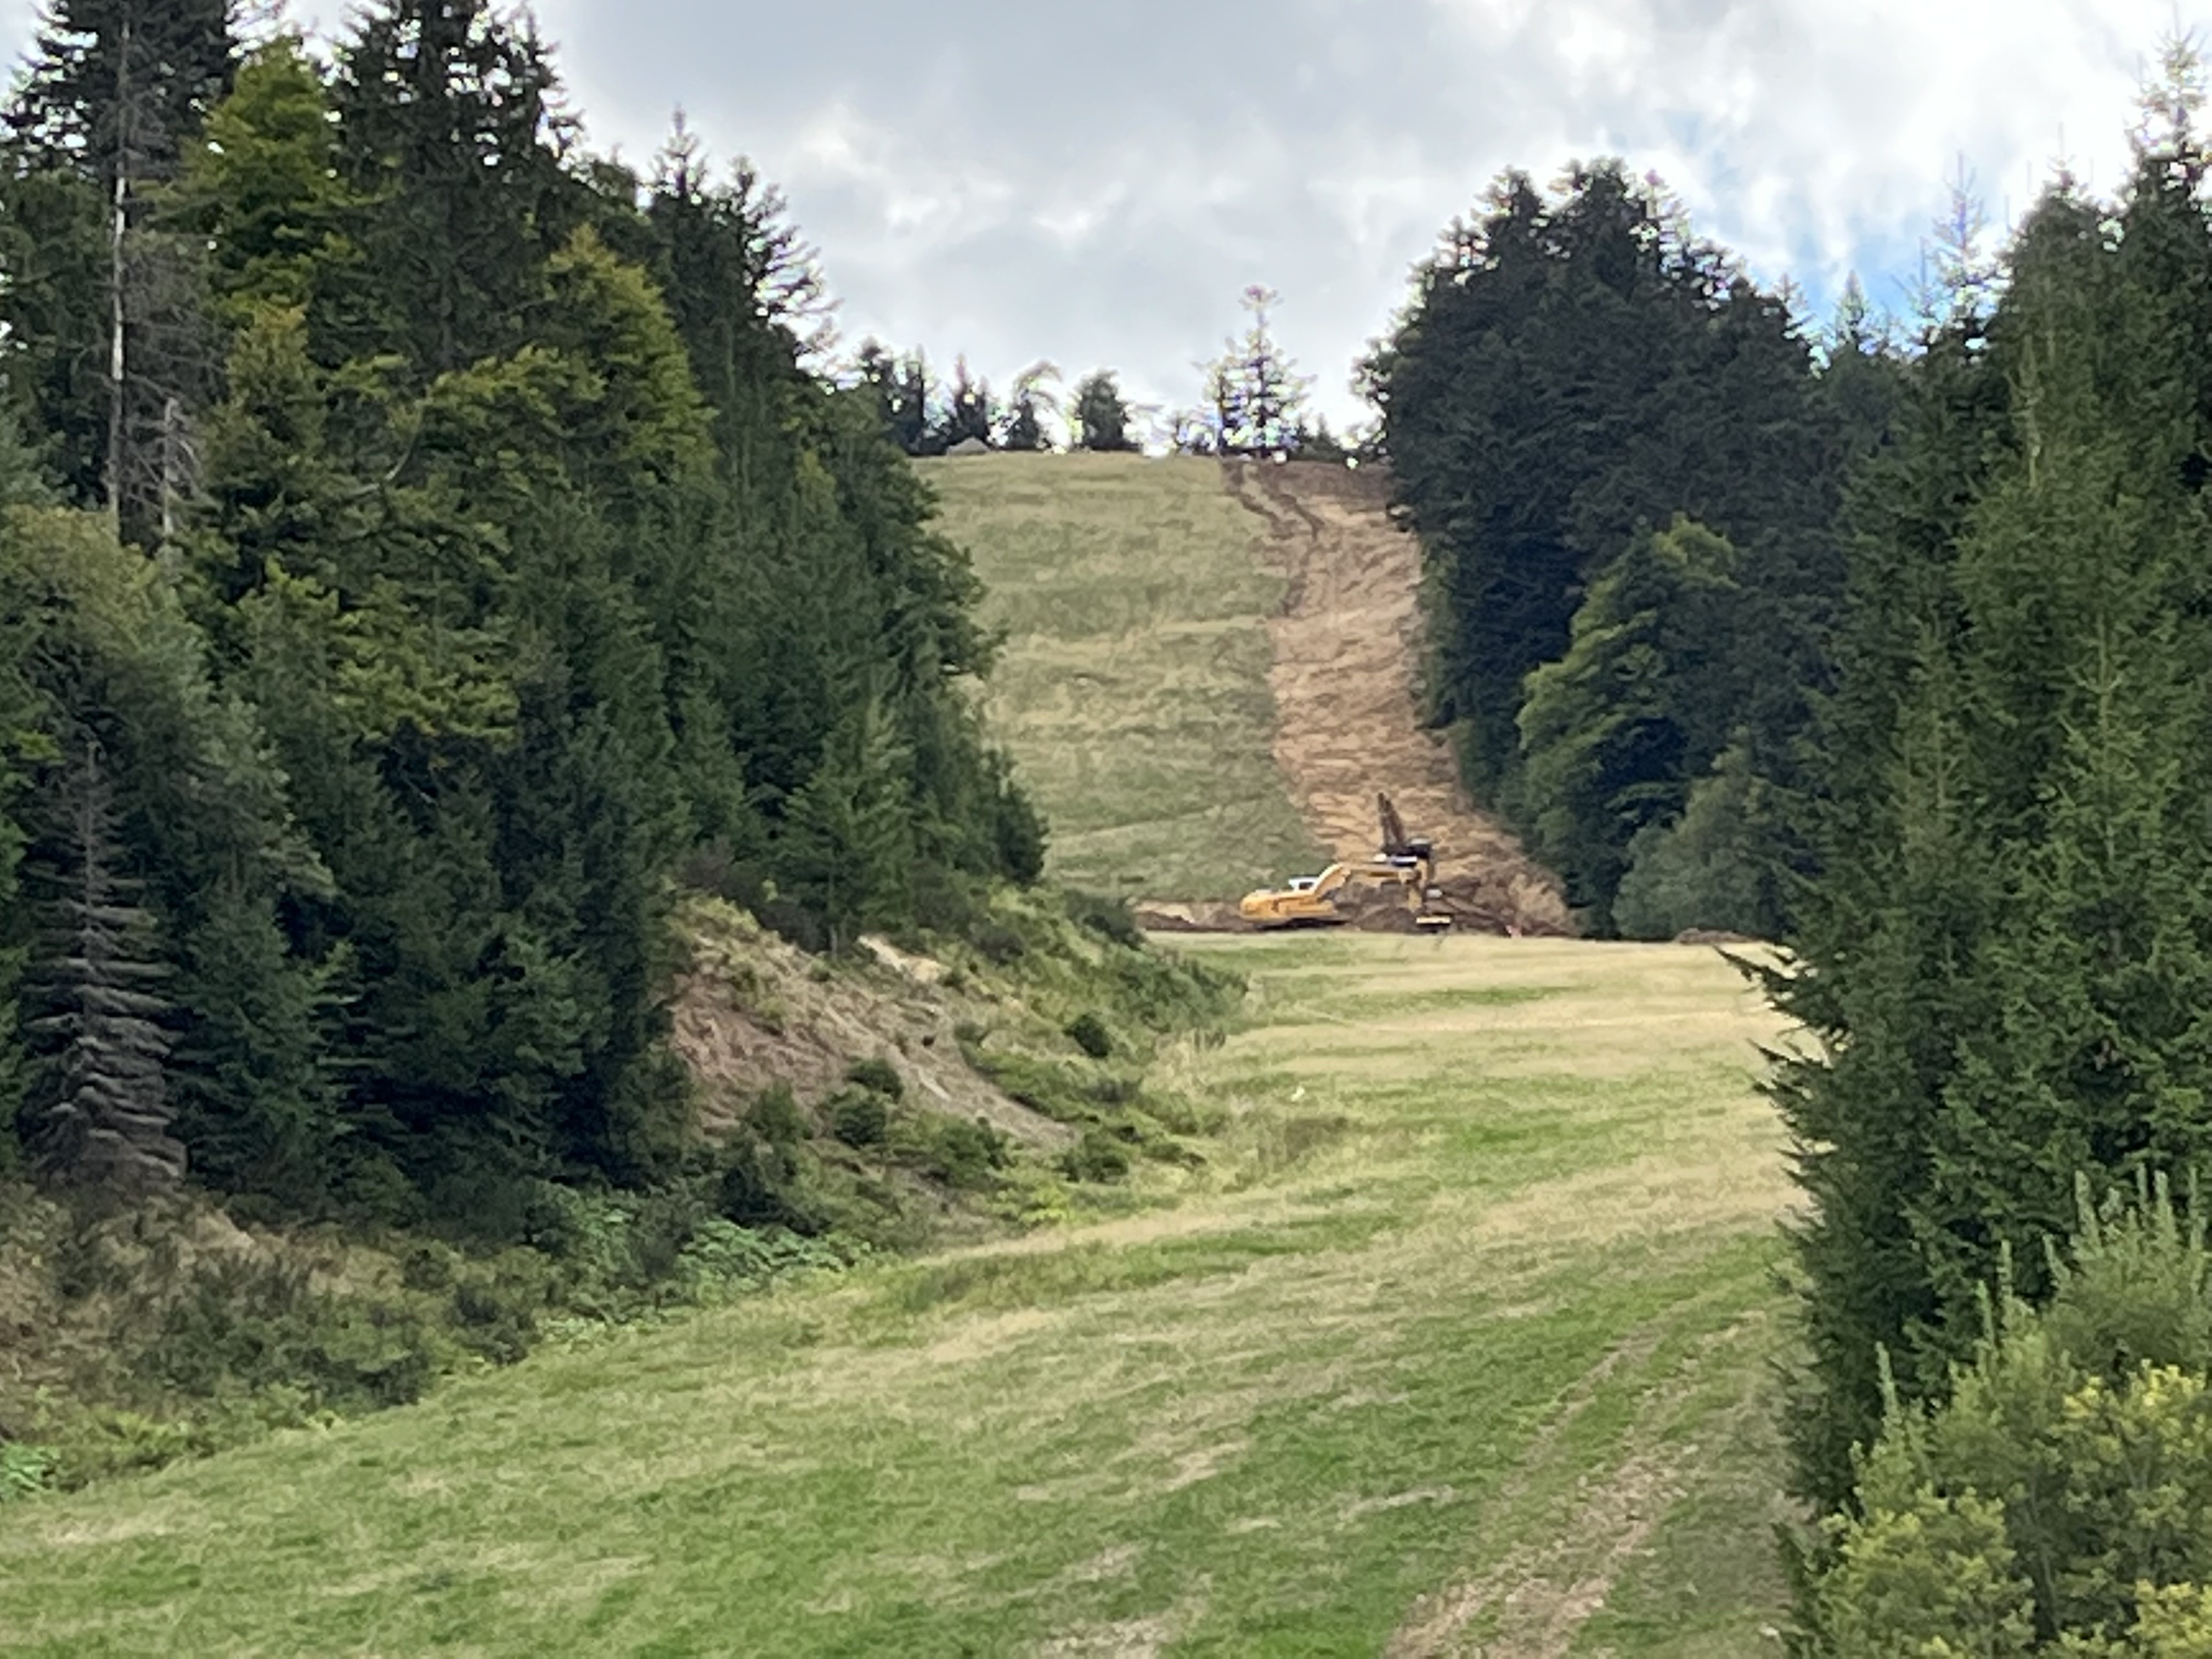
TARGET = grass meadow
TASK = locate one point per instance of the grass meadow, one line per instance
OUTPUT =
(1133, 688)
(1459, 1342)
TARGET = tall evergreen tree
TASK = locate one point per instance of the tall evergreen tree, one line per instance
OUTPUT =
(96, 1015)
(114, 100)
(2009, 953)
(1101, 415)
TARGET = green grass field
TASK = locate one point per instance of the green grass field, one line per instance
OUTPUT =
(1133, 690)
(1458, 1344)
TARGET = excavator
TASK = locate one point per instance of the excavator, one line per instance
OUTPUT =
(1402, 861)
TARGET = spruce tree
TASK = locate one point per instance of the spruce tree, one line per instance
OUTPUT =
(1101, 415)
(2007, 957)
(97, 1018)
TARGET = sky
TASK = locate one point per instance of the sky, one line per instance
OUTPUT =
(1095, 185)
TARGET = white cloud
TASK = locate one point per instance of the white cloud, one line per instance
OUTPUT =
(1097, 185)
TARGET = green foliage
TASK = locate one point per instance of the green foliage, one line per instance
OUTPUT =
(25, 1470)
(858, 1117)
(1100, 414)
(1575, 372)
(2061, 1499)
(1712, 867)
(2007, 952)
(879, 1076)
(1096, 1157)
(1613, 734)
(1088, 1032)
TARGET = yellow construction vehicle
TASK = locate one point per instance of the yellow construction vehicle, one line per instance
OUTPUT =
(1402, 861)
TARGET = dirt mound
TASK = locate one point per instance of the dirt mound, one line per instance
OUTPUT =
(1347, 722)
(753, 1011)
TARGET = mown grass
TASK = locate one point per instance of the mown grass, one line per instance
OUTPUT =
(1462, 1332)
(1134, 689)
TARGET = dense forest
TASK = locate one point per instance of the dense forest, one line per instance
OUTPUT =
(430, 551)
(1627, 462)
(422, 538)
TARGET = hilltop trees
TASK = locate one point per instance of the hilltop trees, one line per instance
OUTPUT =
(1101, 414)
(1253, 391)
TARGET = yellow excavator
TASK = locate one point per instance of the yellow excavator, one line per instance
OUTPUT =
(1402, 861)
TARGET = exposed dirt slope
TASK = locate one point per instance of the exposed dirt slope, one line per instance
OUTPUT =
(1348, 724)
(753, 1011)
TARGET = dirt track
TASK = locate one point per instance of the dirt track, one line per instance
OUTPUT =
(1347, 723)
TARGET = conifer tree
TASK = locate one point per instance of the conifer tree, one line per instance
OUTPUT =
(97, 1017)
(2007, 954)
(1101, 415)
(115, 98)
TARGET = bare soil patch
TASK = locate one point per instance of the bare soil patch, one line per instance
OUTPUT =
(753, 1011)
(1348, 716)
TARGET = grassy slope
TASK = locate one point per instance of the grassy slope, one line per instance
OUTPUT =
(1474, 1299)
(1134, 691)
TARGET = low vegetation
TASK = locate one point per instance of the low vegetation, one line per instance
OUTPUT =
(136, 1335)
(1456, 1333)
(1133, 688)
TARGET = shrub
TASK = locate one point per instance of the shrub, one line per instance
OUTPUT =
(2066, 1486)
(774, 1116)
(999, 943)
(877, 1076)
(960, 1153)
(858, 1117)
(25, 1470)
(1110, 918)
(1088, 1032)
(1097, 1157)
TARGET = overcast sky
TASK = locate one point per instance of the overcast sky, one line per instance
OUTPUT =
(1096, 184)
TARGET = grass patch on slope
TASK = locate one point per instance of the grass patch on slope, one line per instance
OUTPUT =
(1461, 1332)
(1133, 688)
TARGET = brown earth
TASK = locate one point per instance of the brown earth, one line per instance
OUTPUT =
(752, 1012)
(1347, 717)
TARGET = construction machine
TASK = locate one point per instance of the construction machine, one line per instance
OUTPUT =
(1402, 861)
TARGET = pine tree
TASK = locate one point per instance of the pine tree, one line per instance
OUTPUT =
(103, 1094)
(970, 413)
(1101, 415)
(1021, 427)
(450, 133)
(115, 95)
(1257, 392)
(2008, 953)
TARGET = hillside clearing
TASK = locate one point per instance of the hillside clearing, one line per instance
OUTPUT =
(1133, 688)
(1459, 1344)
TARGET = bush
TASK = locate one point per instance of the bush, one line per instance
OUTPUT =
(1110, 918)
(25, 1470)
(1088, 1032)
(1097, 1157)
(858, 1117)
(1000, 945)
(961, 1154)
(877, 1076)
(2065, 1488)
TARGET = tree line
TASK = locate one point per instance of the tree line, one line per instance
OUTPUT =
(1253, 402)
(424, 541)
(1891, 647)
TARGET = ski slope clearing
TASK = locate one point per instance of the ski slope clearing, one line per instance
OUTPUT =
(1132, 691)
(1457, 1343)
(1210, 673)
